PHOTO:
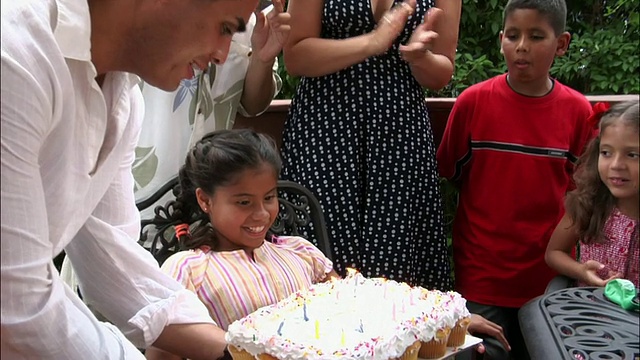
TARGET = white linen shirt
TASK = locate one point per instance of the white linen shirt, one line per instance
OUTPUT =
(66, 148)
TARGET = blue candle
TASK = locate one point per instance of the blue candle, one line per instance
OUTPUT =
(304, 311)
(280, 328)
(360, 329)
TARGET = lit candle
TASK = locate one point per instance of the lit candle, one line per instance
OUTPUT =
(317, 329)
(342, 338)
(385, 290)
(280, 328)
(361, 328)
(411, 299)
(304, 311)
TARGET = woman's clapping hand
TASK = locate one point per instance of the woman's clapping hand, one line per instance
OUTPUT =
(390, 26)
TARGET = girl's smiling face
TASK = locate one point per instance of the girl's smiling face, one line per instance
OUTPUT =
(243, 211)
(618, 162)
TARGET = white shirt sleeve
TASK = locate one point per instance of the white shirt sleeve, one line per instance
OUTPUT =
(41, 317)
(121, 279)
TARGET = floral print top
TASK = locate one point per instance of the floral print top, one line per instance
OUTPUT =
(619, 253)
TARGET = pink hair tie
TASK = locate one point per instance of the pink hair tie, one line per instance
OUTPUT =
(182, 230)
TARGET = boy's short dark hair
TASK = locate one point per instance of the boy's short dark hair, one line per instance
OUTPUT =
(555, 11)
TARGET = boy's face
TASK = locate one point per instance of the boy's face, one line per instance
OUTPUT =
(529, 45)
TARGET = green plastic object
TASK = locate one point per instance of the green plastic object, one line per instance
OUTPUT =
(623, 293)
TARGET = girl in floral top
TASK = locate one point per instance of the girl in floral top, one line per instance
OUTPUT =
(602, 212)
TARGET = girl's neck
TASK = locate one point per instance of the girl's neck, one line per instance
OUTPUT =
(629, 207)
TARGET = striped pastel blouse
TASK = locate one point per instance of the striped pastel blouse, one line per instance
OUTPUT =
(232, 285)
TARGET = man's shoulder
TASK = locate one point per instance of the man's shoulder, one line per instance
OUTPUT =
(27, 33)
(27, 16)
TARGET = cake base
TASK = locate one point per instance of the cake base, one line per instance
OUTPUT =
(437, 347)
(470, 343)
(238, 354)
(410, 354)
(459, 332)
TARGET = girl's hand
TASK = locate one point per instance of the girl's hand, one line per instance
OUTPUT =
(590, 274)
(421, 39)
(270, 33)
(481, 325)
(390, 26)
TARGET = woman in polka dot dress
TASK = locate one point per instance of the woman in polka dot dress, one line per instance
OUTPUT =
(358, 133)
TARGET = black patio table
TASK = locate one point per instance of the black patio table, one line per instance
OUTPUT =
(579, 323)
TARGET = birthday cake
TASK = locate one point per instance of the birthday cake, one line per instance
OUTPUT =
(352, 318)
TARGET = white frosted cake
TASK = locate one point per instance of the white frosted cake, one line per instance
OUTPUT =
(352, 318)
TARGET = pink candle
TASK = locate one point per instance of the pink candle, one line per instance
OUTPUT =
(393, 312)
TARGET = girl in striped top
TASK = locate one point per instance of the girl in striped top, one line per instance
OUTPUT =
(229, 183)
(603, 211)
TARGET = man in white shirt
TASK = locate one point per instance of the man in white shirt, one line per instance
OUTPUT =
(71, 112)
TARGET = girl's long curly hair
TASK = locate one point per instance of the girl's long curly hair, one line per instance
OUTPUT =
(216, 160)
(591, 203)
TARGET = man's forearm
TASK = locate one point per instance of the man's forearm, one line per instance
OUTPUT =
(193, 341)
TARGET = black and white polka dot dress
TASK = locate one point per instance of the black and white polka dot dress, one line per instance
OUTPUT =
(361, 140)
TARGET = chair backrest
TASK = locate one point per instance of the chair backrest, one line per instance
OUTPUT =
(300, 215)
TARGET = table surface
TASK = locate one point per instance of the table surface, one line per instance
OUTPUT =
(579, 323)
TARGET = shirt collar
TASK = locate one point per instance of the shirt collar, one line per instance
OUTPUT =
(73, 29)
(73, 33)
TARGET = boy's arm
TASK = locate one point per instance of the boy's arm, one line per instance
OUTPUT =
(454, 151)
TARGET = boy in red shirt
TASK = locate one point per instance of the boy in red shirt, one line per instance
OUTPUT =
(510, 145)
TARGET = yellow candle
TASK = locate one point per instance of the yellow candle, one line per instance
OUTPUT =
(317, 329)
(342, 338)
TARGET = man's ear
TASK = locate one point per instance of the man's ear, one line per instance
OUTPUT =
(563, 43)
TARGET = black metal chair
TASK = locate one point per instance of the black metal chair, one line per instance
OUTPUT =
(300, 215)
(559, 282)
